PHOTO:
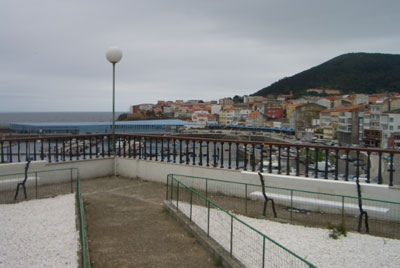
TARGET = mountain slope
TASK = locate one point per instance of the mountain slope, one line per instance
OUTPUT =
(351, 73)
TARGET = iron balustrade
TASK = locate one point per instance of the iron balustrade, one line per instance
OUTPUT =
(327, 162)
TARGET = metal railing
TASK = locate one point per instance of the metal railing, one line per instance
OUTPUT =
(297, 206)
(328, 162)
(247, 244)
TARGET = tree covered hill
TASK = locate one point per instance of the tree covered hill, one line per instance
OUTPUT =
(351, 73)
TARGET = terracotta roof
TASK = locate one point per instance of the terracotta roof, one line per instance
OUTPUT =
(343, 109)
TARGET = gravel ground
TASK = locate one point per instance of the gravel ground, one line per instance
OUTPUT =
(39, 233)
(312, 244)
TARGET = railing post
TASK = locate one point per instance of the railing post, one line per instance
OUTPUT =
(380, 168)
(279, 159)
(336, 164)
(391, 170)
(368, 167)
(70, 149)
(253, 156)
(245, 156)
(307, 152)
(19, 151)
(201, 154)
(56, 150)
(174, 150)
(90, 147)
(109, 145)
(326, 163)
(230, 155)
(316, 163)
(346, 178)
(297, 161)
(49, 154)
(222, 154)
(215, 154)
(84, 147)
(208, 154)
(102, 146)
(180, 152)
(237, 155)
(63, 150)
(11, 157)
(194, 153)
(288, 160)
(34, 149)
(2, 151)
(187, 152)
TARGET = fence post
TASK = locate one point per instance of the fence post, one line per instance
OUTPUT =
(231, 235)
(177, 195)
(208, 217)
(245, 196)
(291, 205)
(166, 194)
(36, 185)
(191, 197)
(263, 260)
(72, 189)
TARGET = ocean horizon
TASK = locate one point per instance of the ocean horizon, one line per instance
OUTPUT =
(55, 117)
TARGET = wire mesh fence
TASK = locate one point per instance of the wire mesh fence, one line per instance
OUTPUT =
(37, 184)
(300, 207)
(251, 247)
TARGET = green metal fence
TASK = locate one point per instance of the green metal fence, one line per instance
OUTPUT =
(247, 244)
(39, 184)
(299, 207)
(43, 184)
(82, 227)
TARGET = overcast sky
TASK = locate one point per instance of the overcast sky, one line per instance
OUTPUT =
(52, 53)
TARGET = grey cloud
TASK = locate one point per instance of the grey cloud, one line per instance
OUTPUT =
(174, 49)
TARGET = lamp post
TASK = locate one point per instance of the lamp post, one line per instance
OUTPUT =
(114, 55)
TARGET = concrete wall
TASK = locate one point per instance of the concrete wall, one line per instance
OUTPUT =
(158, 171)
(92, 168)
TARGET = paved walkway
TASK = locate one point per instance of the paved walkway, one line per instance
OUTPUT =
(127, 227)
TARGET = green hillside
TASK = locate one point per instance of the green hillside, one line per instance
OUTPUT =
(351, 73)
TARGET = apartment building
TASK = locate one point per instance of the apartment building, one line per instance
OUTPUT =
(349, 124)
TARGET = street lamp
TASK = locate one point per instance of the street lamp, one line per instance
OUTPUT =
(114, 55)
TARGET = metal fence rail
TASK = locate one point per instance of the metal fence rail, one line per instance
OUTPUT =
(250, 246)
(328, 162)
(297, 206)
(82, 228)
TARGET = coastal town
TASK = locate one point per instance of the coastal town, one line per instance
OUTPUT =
(322, 115)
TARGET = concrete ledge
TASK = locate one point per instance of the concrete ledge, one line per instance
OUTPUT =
(213, 247)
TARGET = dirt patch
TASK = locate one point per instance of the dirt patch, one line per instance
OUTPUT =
(127, 227)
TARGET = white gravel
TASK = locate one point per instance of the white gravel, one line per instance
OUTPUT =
(39, 233)
(312, 244)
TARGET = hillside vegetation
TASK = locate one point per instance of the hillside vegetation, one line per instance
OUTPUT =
(351, 73)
